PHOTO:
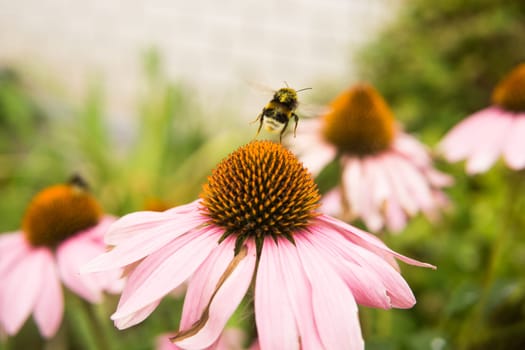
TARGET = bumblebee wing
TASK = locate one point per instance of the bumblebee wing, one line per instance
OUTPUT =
(260, 88)
(310, 111)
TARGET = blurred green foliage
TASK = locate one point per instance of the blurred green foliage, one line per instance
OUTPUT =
(154, 160)
(439, 61)
(436, 64)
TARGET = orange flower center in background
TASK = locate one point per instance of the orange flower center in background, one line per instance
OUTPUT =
(509, 94)
(359, 122)
(260, 190)
(59, 212)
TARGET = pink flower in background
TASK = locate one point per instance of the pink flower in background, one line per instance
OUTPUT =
(256, 226)
(386, 175)
(62, 229)
(498, 130)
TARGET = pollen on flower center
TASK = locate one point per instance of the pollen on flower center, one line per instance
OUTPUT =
(260, 189)
(359, 122)
(59, 212)
(510, 92)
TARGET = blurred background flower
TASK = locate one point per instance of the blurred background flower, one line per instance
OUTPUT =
(384, 175)
(495, 131)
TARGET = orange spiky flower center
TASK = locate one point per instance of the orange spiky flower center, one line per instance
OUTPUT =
(59, 212)
(260, 190)
(359, 122)
(509, 94)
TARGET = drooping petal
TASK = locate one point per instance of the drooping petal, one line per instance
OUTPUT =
(395, 217)
(394, 168)
(276, 326)
(21, 287)
(353, 181)
(513, 150)
(164, 270)
(370, 208)
(367, 288)
(399, 293)
(410, 148)
(368, 241)
(415, 183)
(228, 294)
(299, 292)
(334, 307)
(140, 245)
(49, 307)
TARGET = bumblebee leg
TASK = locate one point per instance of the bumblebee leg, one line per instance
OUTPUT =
(296, 119)
(256, 119)
(282, 131)
(260, 118)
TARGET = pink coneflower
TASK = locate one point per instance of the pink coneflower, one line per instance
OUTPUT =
(386, 175)
(62, 229)
(497, 130)
(255, 227)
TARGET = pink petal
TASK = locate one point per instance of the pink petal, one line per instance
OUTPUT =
(97, 232)
(223, 303)
(142, 243)
(74, 253)
(317, 159)
(514, 149)
(396, 219)
(135, 223)
(167, 268)
(401, 193)
(366, 240)
(276, 326)
(21, 287)
(204, 281)
(49, 307)
(299, 294)
(231, 339)
(313, 152)
(367, 288)
(136, 317)
(400, 294)
(380, 188)
(353, 182)
(490, 139)
(13, 246)
(331, 202)
(334, 307)
(373, 188)
(415, 183)
(410, 148)
(459, 142)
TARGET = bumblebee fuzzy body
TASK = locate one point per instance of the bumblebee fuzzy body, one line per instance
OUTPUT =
(276, 115)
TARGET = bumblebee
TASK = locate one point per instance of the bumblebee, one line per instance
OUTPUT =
(276, 115)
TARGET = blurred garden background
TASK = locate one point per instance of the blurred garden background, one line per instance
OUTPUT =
(143, 100)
